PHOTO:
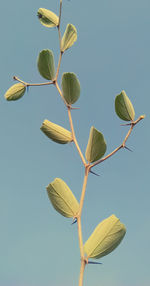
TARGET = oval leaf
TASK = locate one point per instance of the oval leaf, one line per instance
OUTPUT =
(69, 37)
(46, 64)
(47, 18)
(124, 107)
(56, 132)
(96, 146)
(15, 92)
(62, 198)
(105, 238)
(70, 87)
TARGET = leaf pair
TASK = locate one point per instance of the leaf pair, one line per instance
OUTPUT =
(70, 83)
(106, 236)
(49, 19)
(96, 146)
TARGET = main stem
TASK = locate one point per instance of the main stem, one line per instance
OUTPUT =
(83, 261)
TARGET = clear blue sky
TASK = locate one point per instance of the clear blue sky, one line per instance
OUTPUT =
(38, 247)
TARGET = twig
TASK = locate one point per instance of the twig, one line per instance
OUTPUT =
(59, 34)
(122, 145)
(32, 84)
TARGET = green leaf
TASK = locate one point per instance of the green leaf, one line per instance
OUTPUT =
(62, 198)
(15, 92)
(105, 238)
(46, 64)
(56, 132)
(96, 146)
(124, 107)
(70, 87)
(69, 37)
(47, 18)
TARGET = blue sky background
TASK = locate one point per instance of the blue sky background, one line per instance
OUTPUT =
(38, 247)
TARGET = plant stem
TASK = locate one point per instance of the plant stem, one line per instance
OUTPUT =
(60, 92)
(132, 124)
(59, 34)
(58, 67)
(74, 137)
(87, 168)
(32, 84)
(83, 261)
(80, 237)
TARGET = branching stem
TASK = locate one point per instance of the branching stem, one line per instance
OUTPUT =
(87, 166)
(132, 124)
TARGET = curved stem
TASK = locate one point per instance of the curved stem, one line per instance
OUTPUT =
(132, 124)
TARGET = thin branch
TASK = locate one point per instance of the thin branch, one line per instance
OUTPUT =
(59, 34)
(58, 66)
(32, 84)
(132, 124)
(74, 137)
(60, 92)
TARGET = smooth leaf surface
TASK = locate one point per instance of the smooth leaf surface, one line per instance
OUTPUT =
(124, 107)
(69, 37)
(46, 64)
(70, 87)
(96, 146)
(105, 238)
(47, 18)
(62, 198)
(15, 92)
(56, 132)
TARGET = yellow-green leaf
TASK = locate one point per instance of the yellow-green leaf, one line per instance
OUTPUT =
(62, 198)
(15, 92)
(47, 18)
(105, 238)
(70, 87)
(46, 64)
(124, 107)
(69, 37)
(56, 132)
(96, 146)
